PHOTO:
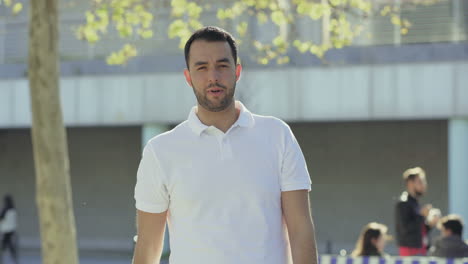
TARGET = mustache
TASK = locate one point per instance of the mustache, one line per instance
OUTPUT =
(216, 85)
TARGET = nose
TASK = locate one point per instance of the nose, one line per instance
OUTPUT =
(213, 76)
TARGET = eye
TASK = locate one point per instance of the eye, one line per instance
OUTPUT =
(201, 68)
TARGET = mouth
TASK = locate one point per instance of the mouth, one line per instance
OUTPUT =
(215, 91)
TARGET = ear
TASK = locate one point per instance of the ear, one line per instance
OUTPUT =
(447, 232)
(187, 77)
(238, 71)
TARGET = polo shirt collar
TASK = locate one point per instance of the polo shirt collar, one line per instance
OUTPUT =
(245, 119)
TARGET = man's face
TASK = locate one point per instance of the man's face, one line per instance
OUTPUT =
(418, 185)
(445, 232)
(212, 74)
(379, 243)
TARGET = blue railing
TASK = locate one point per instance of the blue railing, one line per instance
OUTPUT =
(328, 259)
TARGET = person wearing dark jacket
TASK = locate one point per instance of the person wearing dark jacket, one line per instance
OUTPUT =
(410, 218)
(450, 244)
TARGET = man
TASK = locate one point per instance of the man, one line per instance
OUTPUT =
(411, 226)
(450, 244)
(233, 186)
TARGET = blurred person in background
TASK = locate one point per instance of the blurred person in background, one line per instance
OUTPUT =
(450, 244)
(412, 225)
(372, 241)
(8, 228)
(232, 185)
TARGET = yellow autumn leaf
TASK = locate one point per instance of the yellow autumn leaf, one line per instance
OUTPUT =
(396, 20)
(314, 49)
(194, 10)
(242, 28)
(195, 24)
(262, 18)
(296, 43)
(221, 14)
(176, 27)
(90, 35)
(17, 8)
(263, 61)
(303, 47)
(146, 34)
(279, 41)
(278, 18)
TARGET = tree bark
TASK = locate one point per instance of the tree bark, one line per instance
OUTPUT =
(53, 188)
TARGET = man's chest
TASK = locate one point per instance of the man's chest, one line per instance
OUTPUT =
(226, 171)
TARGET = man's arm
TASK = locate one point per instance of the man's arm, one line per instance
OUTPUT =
(296, 211)
(149, 245)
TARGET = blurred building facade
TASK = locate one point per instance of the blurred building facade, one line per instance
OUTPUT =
(385, 104)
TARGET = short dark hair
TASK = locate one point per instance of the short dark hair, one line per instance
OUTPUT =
(412, 177)
(453, 223)
(413, 173)
(211, 34)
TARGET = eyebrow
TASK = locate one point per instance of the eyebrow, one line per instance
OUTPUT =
(198, 63)
(223, 60)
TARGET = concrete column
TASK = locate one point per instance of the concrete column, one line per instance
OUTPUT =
(458, 169)
(148, 131)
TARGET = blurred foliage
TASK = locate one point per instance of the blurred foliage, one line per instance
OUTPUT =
(14, 6)
(129, 17)
(342, 22)
(122, 56)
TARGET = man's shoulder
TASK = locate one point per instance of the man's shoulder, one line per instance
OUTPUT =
(465, 248)
(269, 122)
(170, 137)
(439, 241)
(403, 201)
(404, 198)
(451, 243)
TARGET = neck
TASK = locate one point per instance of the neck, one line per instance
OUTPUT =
(222, 120)
(413, 194)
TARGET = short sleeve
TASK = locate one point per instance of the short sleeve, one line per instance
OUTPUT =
(150, 191)
(294, 173)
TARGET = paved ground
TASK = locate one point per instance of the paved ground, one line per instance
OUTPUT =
(85, 258)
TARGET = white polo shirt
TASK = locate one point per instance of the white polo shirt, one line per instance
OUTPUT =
(223, 190)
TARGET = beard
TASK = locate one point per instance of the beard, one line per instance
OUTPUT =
(215, 106)
(418, 194)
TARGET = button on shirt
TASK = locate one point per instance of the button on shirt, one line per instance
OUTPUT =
(223, 190)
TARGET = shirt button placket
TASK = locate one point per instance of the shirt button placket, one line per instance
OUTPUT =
(227, 151)
(220, 140)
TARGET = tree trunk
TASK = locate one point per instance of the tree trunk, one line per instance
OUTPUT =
(53, 190)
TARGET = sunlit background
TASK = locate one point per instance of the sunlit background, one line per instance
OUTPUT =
(362, 115)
